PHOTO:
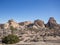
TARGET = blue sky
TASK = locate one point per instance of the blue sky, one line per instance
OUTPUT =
(25, 10)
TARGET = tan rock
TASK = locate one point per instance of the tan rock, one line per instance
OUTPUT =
(52, 23)
(6, 25)
(11, 23)
(25, 23)
(39, 23)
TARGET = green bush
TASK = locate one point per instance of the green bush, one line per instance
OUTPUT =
(10, 39)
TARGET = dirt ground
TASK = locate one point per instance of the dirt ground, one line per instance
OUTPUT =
(35, 43)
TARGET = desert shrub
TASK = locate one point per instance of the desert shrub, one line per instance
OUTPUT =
(10, 39)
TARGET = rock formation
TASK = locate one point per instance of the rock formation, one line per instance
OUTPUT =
(11, 23)
(33, 26)
(36, 24)
(25, 23)
(39, 23)
(52, 23)
(32, 32)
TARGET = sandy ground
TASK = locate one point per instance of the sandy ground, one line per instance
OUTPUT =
(35, 43)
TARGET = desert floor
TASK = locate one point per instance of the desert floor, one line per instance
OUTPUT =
(36, 43)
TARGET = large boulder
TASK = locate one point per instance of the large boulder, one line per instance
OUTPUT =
(39, 23)
(33, 26)
(52, 23)
(11, 23)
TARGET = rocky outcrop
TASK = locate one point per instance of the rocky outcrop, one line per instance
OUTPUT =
(52, 23)
(36, 25)
(39, 23)
(33, 26)
(32, 32)
(11, 23)
(25, 23)
(21, 23)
